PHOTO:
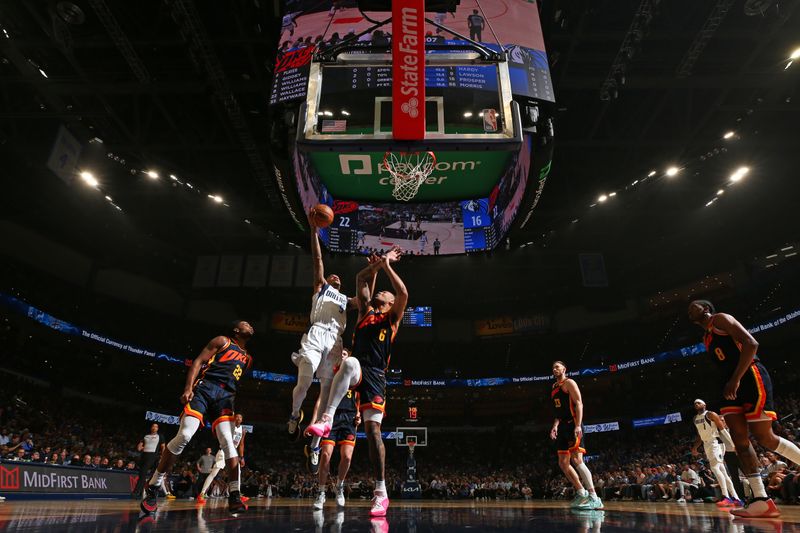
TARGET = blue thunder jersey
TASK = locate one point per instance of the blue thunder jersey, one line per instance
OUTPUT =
(348, 405)
(723, 350)
(227, 366)
(562, 403)
(372, 340)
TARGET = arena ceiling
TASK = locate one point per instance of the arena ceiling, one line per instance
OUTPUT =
(181, 87)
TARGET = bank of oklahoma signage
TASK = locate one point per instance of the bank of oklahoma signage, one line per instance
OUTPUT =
(18, 478)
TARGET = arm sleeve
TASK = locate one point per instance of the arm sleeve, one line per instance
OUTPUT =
(725, 435)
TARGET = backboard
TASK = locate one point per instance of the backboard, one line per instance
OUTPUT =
(467, 99)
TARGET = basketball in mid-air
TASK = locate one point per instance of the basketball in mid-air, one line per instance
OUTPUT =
(322, 215)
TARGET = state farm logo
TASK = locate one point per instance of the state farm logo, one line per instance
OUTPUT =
(9, 478)
(409, 48)
(411, 108)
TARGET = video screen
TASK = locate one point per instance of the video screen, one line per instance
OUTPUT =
(418, 317)
(429, 228)
(310, 24)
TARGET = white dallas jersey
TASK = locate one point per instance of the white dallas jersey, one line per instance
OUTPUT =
(706, 428)
(237, 435)
(329, 308)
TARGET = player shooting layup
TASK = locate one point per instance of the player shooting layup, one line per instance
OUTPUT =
(321, 346)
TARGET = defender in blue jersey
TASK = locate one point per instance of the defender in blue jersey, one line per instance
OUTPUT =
(211, 386)
(745, 392)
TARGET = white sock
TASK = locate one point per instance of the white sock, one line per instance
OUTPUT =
(788, 450)
(586, 476)
(157, 478)
(757, 485)
(380, 487)
(233, 486)
(340, 484)
(305, 374)
(583, 493)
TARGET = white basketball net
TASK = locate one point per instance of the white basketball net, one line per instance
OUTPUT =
(408, 170)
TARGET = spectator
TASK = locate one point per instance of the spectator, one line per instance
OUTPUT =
(87, 461)
(20, 455)
(688, 480)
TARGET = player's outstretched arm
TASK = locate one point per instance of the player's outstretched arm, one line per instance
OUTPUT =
(749, 345)
(316, 257)
(365, 283)
(352, 303)
(401, 293)
(214, 345)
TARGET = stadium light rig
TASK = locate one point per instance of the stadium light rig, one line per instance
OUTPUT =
(672, 171)
(152, 174)
(739, 174)
(728, 135)
(89, 179)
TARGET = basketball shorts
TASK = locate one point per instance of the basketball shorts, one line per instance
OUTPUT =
(715, 452)
(566, 443)
(343, 432)
(372, 389)
(754, 398)
(211, 401)
(322, 347)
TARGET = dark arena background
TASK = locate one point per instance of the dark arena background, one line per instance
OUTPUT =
(585, 214)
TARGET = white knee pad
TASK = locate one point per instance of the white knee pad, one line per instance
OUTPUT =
(352, 369)
(225, 437)
(186, 431)
(372, 415)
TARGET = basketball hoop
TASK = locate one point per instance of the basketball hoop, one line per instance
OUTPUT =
(408, 171)
(411, 446)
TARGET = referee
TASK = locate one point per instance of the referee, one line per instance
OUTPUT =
(151, 446)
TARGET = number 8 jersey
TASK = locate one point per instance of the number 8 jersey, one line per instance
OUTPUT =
(723, 349)
(227, 366)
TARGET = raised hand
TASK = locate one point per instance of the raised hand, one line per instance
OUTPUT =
(393, 255)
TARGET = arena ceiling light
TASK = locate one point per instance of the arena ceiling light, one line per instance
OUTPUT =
(89, 179)
(729, 135)
(217, 198)
(720, 192)
(651, 174)
(468, 114)
(739, 174)
(109, 198)
(602, 198)
(711, 202)
(152, 174)
(611, 195)
(672, 171)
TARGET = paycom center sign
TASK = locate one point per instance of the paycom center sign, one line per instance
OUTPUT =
(363, 175)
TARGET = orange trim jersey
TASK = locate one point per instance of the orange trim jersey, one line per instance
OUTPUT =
(723, 349)
(562, 403)
(372, 340)
(227, 366)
